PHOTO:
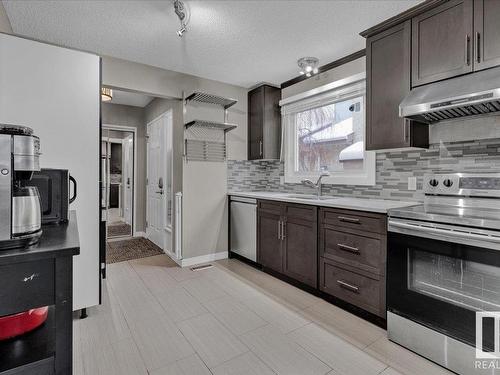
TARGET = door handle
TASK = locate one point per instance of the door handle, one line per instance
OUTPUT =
(349, 220)
(347, 286)
(348, 248)
(159, 192)
(283, 230)
(467, 49)
(406, 129)
(279, 230)
(478, 47)
(260, 147)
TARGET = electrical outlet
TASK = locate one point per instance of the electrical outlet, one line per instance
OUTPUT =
(282, 180)
(412, 183)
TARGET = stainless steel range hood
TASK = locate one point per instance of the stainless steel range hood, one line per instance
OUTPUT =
(468, 95)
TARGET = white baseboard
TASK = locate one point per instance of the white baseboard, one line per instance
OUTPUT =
(140, 234)
(188, 262)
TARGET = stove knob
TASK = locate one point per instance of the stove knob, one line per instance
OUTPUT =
(448, 183)
(433, 182)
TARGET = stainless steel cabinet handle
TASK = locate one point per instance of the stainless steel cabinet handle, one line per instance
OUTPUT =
(478, 47)
(349, 220)
(260, 148)
(406, 130)
(283, 230)
(279, 230)
(347, 286)
(467, 49)
(348, 248)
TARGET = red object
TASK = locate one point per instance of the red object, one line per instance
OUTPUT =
(18, 324)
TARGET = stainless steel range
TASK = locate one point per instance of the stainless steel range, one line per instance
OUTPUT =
(443, 267)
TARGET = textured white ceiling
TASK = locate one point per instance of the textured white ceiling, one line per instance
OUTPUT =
(130, 98)
(238, 42)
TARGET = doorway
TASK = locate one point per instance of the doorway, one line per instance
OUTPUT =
(118, 158)
(159, 181)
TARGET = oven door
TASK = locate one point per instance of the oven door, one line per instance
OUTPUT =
(440, 276)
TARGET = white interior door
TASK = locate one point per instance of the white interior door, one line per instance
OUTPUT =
(128, 177)
(156, 189)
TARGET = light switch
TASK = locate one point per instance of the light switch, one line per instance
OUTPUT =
(412, 183)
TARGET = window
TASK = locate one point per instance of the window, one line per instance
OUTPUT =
(324, 131)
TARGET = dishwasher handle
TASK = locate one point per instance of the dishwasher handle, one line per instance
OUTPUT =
(244, 200)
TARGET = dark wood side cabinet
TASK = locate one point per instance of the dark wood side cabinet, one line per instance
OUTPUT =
(287, 240)
(486, 34)
(264, 123)
(41, 275)
(269, 243)
(388, 82)
(352, 254)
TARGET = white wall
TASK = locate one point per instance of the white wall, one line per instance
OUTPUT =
(204, 184)
(459, 130)
(340, 72)
(55, 91)
(5, 26)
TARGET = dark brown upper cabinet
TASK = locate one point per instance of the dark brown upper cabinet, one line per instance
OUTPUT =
(486, 34)
(442, 42)
(388, 82)
(264, 123)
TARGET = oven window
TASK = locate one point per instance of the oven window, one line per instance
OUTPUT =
(471, 285)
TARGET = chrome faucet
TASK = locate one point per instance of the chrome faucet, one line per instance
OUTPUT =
(318, 185)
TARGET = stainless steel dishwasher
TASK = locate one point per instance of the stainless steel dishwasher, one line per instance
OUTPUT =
(243, 229)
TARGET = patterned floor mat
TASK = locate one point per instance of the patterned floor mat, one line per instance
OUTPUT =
(134, 248)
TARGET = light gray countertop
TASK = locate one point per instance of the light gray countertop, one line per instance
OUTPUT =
(350, 203)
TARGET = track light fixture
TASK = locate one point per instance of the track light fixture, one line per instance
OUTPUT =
(180, 10)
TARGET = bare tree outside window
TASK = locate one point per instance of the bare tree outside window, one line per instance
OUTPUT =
(323, 133)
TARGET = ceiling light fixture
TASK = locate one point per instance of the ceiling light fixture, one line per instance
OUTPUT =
(106, 94)
(181, 11)
(308, 65)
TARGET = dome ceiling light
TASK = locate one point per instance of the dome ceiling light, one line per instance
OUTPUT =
(308, 65)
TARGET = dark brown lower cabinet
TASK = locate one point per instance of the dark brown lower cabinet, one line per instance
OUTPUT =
(287, 240)
(300, 255)
(270, 253)
(352, 253)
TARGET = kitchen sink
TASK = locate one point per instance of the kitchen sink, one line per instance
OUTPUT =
(309, 197)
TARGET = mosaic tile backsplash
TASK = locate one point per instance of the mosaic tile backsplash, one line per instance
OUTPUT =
(393, 170)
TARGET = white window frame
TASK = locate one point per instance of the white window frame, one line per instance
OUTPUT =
(331, 93)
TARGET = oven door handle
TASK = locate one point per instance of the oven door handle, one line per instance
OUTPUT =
(487, 238)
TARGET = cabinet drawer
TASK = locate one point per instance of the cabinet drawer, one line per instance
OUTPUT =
(363, 221)
(270, 206)
(26, 285)
(360, 290)
(303, 212)
(353, 249)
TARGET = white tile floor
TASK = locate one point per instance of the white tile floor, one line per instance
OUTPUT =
(231, 319)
